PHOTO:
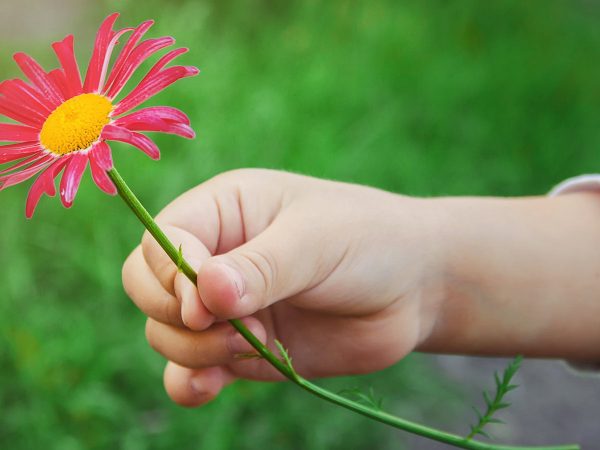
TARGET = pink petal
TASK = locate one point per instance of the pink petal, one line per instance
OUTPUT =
(44, 184)
(71, 178)
(153, 86)
(100, 177)
(102, 155)
(158, 118)
(13, 152)
(137, 57)
(13, 157)
(20, 92)
(167, 113)
(156, 124)
(17, 133)
(66, 55)
(113, 42)
(25, 162)
(127, 48)
(20, 113)
(97, 61)
(19, 146)
(144, 143)
(39, 78)
(162, 62)
(16, 178)
(60, 80)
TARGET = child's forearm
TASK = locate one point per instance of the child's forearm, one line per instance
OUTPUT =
(522, 276)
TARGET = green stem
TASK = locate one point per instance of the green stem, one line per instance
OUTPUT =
(286, 369)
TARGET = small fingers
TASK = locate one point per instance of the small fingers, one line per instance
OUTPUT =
(289, 257)
(183, 309)
(194, 314)
(165, 270)
(195, 387)
(218, 345)
(142, 286)
(153, 281)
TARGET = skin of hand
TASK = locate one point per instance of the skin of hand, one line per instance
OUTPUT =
(351, 278)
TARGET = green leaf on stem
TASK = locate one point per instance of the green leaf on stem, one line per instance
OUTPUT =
(496, 403)
(180, 260)
(285, 356)
(369, 398)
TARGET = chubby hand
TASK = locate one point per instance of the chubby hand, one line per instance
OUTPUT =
(341, 274)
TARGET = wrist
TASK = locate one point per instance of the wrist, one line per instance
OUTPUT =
(520, 276)
(484, 243)
(432, 263)
(469, 231)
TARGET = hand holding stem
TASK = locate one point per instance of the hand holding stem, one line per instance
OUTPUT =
(352, 305)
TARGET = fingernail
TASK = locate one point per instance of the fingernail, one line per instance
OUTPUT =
(235, 277)
(237, 344)
(187, 297)
(186, 310)
(197, 386)
(199, 390)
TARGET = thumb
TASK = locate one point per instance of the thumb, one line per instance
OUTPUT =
(282, 261)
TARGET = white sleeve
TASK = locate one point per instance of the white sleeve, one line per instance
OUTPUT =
(590, 182)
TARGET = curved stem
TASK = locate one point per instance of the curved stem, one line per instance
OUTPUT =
(285, 367)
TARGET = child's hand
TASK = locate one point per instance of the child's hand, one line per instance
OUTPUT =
(344, 276)
(350, 279)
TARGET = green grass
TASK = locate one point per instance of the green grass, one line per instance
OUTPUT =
(425, 98)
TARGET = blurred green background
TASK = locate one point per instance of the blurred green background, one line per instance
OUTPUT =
(420, 97)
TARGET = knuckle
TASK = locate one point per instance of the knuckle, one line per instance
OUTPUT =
(229, 175)
(236, 175)
(172, 313)
(265, 265)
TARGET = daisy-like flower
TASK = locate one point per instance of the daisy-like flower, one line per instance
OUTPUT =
(65, 122)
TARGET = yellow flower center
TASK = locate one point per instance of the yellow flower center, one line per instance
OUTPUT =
(76, 124)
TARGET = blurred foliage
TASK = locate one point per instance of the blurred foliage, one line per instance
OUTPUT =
(424, 98)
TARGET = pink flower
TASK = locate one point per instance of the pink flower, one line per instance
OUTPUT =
(65, 122)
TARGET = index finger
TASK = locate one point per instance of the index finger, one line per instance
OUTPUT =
(214, 218)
